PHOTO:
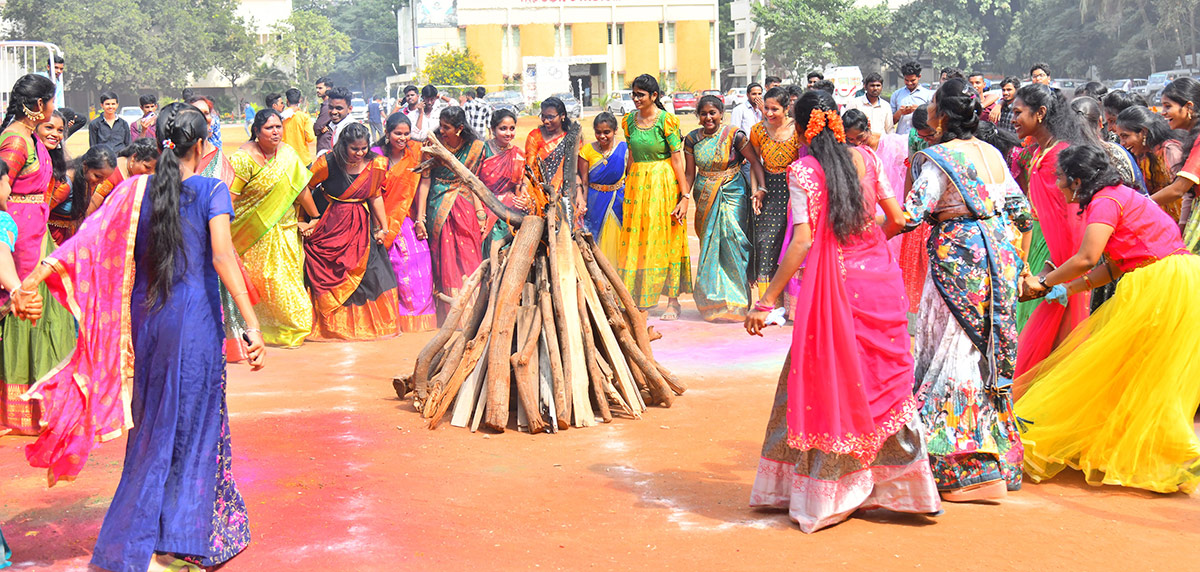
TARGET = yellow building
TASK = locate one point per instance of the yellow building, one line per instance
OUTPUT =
(594, 46)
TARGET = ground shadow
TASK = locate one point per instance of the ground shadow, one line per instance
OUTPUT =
(61, 531)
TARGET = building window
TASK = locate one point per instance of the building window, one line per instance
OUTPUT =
(670, 81)
(670, 32)
(515, 40)
(741, 41)
(462, 37)
(621, 34)
(621, 80)
(662, 33)
(610, 34)
(570, 39)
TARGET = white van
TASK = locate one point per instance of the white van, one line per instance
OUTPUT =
(847, 81)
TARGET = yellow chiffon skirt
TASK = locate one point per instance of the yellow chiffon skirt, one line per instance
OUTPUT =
(652, 257)
(1118, 398)
(275, 265)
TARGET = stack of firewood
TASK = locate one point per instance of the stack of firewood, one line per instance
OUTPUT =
(547, 314)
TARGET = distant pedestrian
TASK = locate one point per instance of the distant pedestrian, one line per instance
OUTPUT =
(108, 128)
(479, 113)
(375, 117)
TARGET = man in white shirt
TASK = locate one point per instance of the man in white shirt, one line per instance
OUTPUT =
(906, 99)
(878, 111)
(428, 116)
(749, 112)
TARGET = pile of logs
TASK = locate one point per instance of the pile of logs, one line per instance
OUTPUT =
(547, 314)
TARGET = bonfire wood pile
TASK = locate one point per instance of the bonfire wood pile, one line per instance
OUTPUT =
(548, 314)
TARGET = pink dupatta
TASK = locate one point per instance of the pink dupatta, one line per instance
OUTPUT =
(87, 398)
(832, 404)
(1062, 226)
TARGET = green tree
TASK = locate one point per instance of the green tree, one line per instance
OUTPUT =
(725, 42)
(311, 41)
(802, 33)
(809, 34)
(962, 33)
(449, 66)
(129, 43)
(265, 79)
(374, 47)
(237, 55)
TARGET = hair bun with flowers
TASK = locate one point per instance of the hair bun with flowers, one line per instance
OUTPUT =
(820, 119)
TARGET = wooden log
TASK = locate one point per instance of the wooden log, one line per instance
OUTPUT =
(589, 348)
(420, 378)
(559, 307)
(608, 340)
(435, 409)
(660, 392)
(478, 346)
(434, 148)
(573, 352)
(438, 385)
(644, 335)
(520, 260)
(468, 394)
(553, 350)
(546, 382)
(525, 369)
(634, 316)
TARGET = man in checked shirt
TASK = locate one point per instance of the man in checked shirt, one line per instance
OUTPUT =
(479, 113)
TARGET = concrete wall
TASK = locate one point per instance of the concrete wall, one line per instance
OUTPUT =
(641, 49)
(537, 40)
(693, 54)
(487, 42)
(589, 39)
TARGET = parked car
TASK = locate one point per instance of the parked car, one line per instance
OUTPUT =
(130, 114)
(620, 103)
(510, 100)
(1159, 80)
(574, 108)
(714, 92)
(1129, 85)
(1068, 85)
(358, 110)
(683, 101)
(735, 97)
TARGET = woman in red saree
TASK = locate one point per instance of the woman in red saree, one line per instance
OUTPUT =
(1045, 116)
(447, 213)
(346, 266)
(503, 172)
(409, 256)
(844, 433)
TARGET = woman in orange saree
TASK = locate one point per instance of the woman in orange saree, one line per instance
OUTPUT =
(409, 256)
(346, 266)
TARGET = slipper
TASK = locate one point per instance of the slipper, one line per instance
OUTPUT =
(672, 313)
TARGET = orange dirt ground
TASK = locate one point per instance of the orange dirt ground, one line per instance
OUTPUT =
(340, 475)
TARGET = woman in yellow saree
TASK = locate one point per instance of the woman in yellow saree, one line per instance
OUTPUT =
(269, 177)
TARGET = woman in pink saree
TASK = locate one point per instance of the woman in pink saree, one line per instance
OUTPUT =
(843, 433)
(1046, 117)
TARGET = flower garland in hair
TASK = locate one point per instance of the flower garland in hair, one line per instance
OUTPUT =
(835, 124)
(820, 119)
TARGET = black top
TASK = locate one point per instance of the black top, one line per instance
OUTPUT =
(116, 136)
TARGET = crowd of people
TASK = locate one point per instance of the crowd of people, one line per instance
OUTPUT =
(947, 259)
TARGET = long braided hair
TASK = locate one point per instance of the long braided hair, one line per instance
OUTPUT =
(180, 127)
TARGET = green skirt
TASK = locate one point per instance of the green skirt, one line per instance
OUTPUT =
(27, 353)
(1039, 253)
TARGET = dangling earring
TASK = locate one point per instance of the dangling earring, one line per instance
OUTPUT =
(34, 115)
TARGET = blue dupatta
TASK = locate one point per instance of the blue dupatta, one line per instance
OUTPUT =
(975, 268)
(606, 188)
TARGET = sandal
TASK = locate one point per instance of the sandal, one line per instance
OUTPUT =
(991, 490)
(672, 312)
